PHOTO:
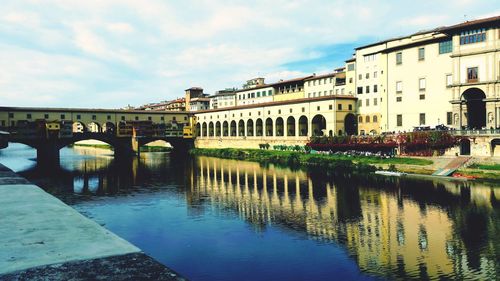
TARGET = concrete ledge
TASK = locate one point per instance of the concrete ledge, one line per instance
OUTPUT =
(38, 229)
(41, 238)
(136, 266)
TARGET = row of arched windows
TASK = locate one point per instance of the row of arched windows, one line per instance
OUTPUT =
(280, 127)
(367, 119)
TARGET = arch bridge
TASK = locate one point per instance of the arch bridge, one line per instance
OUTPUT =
(50, 129)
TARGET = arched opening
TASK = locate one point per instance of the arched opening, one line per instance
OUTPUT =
(367, 119)
(225, 129)
(318, 125)
(211, 129)
(218, 129)
(204, 129)
(198, 130)
(290, 126)
(476, 108)
(259, 128)
(109, 128)
(250, 128)
(94, 127)
(350, 124)
(233, 128)
(330, 133)
(279, 127)
(156, 146)
(465, 147)
(269, 127)
(79, 127)
(303, 126)
(375, 119)
(495, 147)
(241, 128)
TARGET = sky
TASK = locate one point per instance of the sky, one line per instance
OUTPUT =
(112, 53)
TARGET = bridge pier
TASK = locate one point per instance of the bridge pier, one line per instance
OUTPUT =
(47, 153)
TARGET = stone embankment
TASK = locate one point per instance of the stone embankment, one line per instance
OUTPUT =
(41, 238)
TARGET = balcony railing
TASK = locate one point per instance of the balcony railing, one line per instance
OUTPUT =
(486, 132)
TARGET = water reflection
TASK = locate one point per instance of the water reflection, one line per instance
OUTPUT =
(400, 228)
(392, 228)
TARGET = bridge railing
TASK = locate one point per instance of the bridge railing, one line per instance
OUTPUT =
(485, 132)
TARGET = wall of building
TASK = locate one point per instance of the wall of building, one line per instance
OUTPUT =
(433, 101)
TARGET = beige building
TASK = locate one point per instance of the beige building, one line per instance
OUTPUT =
(280, 122)
(223, 98)
(448, 75)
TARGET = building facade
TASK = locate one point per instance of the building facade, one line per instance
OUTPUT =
(280, 122)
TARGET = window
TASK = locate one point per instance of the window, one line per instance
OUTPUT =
(422, 97)
(350, 80)
(422, 118)
(399, 120)
(123, 118)
(375, 74)
(162, 118)
(342, 91)
(258, 94)
(136, 118)
(279, 111)
(269, 93)
(318, 108)
(375, 88)
(473, 36)
(445, 47)
(367, 102)
(94, 117)
(46, 116)
(250, 114)
(399, 58)
(109, 117)
(303, 109)
(360, 119)
(399, 99)
(367, 89)
(350, 67)
(350, 107)
(360, 90)
(360, 77)
(367, 119)
(78, 117)
(149, 118)
(367, 75)
(472, 75)
(63, 116)
(399, 87)
(339, 106)
(449, 80)
(360, 103)
(421, 53)
(11, 115)
(375, 101)
(375, 118)
(421, 84)
(173, 118)
(28, 116)
(449, 118)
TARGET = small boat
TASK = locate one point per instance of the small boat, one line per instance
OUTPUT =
(461, 176)
(391, 174)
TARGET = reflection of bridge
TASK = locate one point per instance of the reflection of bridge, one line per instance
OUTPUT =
(50, 129)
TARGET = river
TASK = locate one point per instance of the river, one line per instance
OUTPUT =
(216, 219)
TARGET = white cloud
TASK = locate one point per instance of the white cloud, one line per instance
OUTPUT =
(112, 53)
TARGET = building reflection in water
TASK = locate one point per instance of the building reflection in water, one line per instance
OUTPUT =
(392, 227)
(398, 228)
